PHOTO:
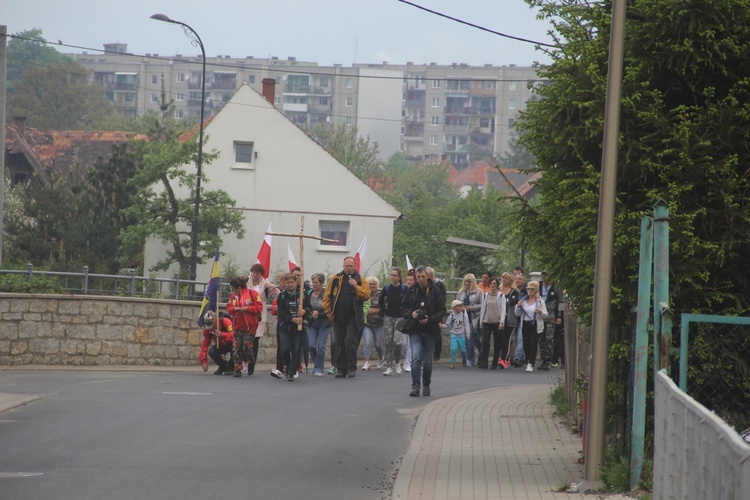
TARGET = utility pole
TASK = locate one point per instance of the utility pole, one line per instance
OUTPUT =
(3, 85)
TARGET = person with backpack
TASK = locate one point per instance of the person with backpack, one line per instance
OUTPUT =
(220, 330)
(390, 307)
(245, 306)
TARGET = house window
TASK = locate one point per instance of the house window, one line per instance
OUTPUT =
(178, 114)
(348, 102)
(512, 86)
(251, 79)
(511, 121)
(244, 153)
(435, 121)
(180, 96)
(403, 129)
(181, 77)
(349, 83)
(334, 230)
(435, 84)
(324, 101)
(154, 98)
(154, 79)
(435, 102)
(511, 104)
(348, 120)
(433, 140)
(488, 84)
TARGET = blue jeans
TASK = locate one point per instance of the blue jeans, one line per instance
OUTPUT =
(371, 332)
(318, 338)
(519, 354)
(422, 351)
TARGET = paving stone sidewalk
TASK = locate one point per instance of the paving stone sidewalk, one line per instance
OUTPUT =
(492, 444)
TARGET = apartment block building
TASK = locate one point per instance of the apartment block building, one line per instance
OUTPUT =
(451, 112)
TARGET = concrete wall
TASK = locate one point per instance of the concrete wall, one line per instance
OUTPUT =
(696, 454)
(86, 330)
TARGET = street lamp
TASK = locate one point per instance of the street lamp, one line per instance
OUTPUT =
(196, 41)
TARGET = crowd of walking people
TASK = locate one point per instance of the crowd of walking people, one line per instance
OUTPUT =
(401, 323)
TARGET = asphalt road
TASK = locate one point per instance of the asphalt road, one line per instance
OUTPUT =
(143, 435)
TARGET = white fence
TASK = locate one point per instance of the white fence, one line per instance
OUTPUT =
(696, 454)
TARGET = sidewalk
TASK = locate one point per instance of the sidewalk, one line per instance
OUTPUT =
(494, 444)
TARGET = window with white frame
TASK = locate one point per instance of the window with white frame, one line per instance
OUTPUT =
(348, 120)
(334, 230)
(512, 86)
(433, 140)
(403, 130)
(511, 121)
(511, 104)
(180, 96)
(181, 77)
(349, 83)
(244, 154)
(435, 121)
(435, 84)
(154, 79)
(178, 114)
(154, 98)
(435, 102)
(349, 101)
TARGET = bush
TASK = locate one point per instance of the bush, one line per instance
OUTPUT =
(19, 283)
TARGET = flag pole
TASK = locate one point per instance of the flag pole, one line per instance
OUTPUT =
(301, 268)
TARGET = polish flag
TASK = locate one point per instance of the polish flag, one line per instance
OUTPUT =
(408, 264)
(292, 262)
(264, 254)
(360, 255)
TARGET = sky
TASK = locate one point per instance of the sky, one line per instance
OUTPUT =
(323, 31)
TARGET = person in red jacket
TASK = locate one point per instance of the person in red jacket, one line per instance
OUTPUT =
(245, 306)
(221, 331)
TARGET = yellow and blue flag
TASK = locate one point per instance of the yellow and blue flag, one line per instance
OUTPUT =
(213, 289)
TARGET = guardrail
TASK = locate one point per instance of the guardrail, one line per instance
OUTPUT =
(122, 285)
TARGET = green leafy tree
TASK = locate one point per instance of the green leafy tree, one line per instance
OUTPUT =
(59, 97)
(357, 153)
(158, 208)
(29, 49)
(683, 136)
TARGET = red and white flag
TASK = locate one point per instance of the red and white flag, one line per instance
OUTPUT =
(264, 254)
(292, 262)
(408, 264)
(360, 255)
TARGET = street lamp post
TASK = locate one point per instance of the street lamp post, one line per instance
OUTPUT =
(196, 41)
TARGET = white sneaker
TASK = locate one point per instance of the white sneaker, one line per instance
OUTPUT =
(529, 368)
(380, 363)
(318, 374)
(398, 369)
(366, 366)
(296, 375)
(276, 373)
(407, 368)
(388, 371)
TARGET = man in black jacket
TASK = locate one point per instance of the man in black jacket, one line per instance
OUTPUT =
(550, 298)
(424, 304)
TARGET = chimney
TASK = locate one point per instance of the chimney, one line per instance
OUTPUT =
(269, 89)
(20, 123)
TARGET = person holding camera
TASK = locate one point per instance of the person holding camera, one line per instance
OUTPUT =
(424, 305)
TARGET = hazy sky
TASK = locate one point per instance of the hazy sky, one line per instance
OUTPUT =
(325, 31)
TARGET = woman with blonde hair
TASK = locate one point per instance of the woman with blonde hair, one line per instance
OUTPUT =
(373, 331)
(531, 310)
(471, 295)
(508, 335)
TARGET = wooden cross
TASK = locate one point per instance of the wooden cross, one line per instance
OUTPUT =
(302, 237)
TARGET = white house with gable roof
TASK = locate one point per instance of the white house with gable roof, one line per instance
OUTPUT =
(277, 173)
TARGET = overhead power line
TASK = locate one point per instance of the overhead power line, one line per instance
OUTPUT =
(455, 19)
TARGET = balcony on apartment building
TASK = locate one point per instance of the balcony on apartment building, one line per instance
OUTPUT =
(456, 129)
(483, 91)
(413, 138)
(307, 89)
(455, 148)
(415, 103)
(481, 110)
(414, 119)
(223, 81)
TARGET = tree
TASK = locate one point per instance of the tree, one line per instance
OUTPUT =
(59, 97)
(29, 49)
(357, 153)
(159, 208)
(684, 129)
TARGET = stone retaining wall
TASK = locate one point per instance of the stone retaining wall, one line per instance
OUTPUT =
(97, 330)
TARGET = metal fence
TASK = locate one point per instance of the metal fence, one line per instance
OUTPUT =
(123, 285)
(696, 454)
(714, 365)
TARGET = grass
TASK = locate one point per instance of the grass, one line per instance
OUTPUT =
(559, 400)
